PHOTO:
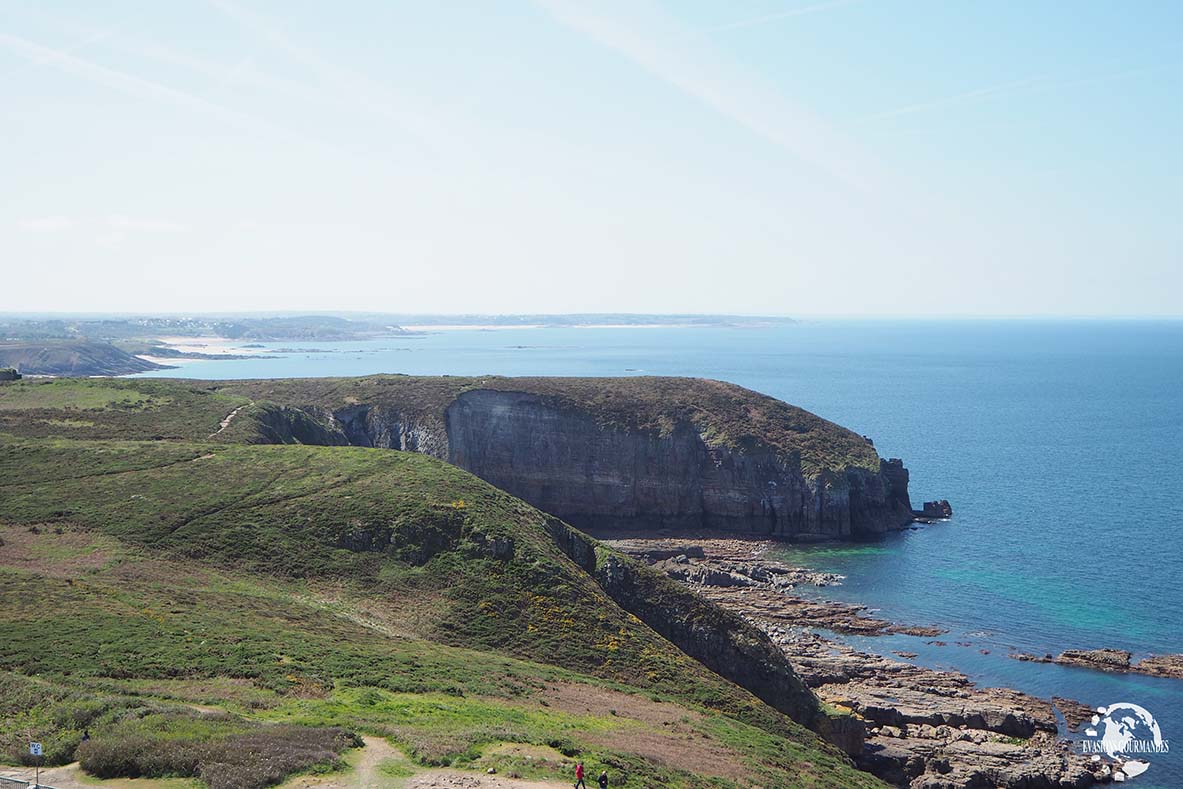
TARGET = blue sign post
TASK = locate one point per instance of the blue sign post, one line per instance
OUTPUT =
(35, 749)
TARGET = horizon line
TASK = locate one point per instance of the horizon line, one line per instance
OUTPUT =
(295, 312)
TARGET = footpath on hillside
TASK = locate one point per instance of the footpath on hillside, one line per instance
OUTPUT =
(366, 773)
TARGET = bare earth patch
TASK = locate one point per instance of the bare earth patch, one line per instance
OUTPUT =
(668, 735)
(66, 555)
(455, 779)
(71, 777)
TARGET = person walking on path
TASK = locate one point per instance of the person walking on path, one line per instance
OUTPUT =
(579, 784)
(603, 779)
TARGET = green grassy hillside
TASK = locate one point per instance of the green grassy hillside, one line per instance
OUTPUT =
(112, 408)
(726, 414)
(194, 599)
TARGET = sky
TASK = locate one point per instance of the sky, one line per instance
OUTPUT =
(780, 157)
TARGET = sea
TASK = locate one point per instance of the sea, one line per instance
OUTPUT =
(1058, 443)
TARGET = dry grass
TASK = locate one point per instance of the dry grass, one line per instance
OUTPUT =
(667, 734)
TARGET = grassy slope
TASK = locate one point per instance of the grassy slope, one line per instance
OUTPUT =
(112, 408)
(327, 586)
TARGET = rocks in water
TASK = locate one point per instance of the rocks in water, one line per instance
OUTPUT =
(1161, 666)
(935, 729)
(924, 729)
(917, 630)
(962, 760)
(1115, 660)
(1104, 659)
(934, 511)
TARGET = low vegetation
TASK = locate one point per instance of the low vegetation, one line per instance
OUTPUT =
(205, 609)
(251, 758)
(112, 409)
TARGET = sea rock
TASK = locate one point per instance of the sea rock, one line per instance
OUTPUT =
(1161, 666)
(1115, 660)
(1104, 659)
(936, 510)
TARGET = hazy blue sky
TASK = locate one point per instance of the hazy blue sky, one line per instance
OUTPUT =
(758, 156)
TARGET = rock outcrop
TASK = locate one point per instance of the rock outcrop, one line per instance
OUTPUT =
(923, 728)
(935, 510)
(1114, 660)
(618, 453)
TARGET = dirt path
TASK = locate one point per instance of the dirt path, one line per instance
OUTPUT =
(365, 773)
(225, 423)
(71, 777)
(455, 779)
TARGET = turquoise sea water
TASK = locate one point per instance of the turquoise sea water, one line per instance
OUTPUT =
(1059, 444)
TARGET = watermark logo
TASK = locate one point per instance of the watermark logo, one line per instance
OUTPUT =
(1124, 731)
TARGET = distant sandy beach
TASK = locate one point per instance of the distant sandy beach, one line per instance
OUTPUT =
(501, 327)
(474, 326)
(212, 345)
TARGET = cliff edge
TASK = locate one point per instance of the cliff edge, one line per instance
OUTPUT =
(609, 453)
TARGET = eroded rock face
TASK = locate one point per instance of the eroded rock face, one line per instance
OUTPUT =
(654, 453)
(722, 641)
(568, 464)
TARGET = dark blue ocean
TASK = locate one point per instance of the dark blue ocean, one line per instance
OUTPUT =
(1059, 444)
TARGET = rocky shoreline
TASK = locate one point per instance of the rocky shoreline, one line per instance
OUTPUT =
(924, 728)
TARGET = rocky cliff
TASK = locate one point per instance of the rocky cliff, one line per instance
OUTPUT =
(720, 640)
(615, 453)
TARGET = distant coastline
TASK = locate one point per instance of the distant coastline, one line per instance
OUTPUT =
(427, 327)
(79, 346)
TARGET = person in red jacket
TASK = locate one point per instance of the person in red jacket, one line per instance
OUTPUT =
(579, 784)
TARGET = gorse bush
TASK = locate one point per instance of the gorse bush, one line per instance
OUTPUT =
(259, 758)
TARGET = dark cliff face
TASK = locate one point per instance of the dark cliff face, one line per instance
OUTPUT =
(564, 462)
(722, 641)
(568, 460)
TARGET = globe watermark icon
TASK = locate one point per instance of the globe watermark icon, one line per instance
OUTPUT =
(1123, 732)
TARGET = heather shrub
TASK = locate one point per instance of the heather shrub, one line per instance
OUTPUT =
(267, 756)
(262, 757)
